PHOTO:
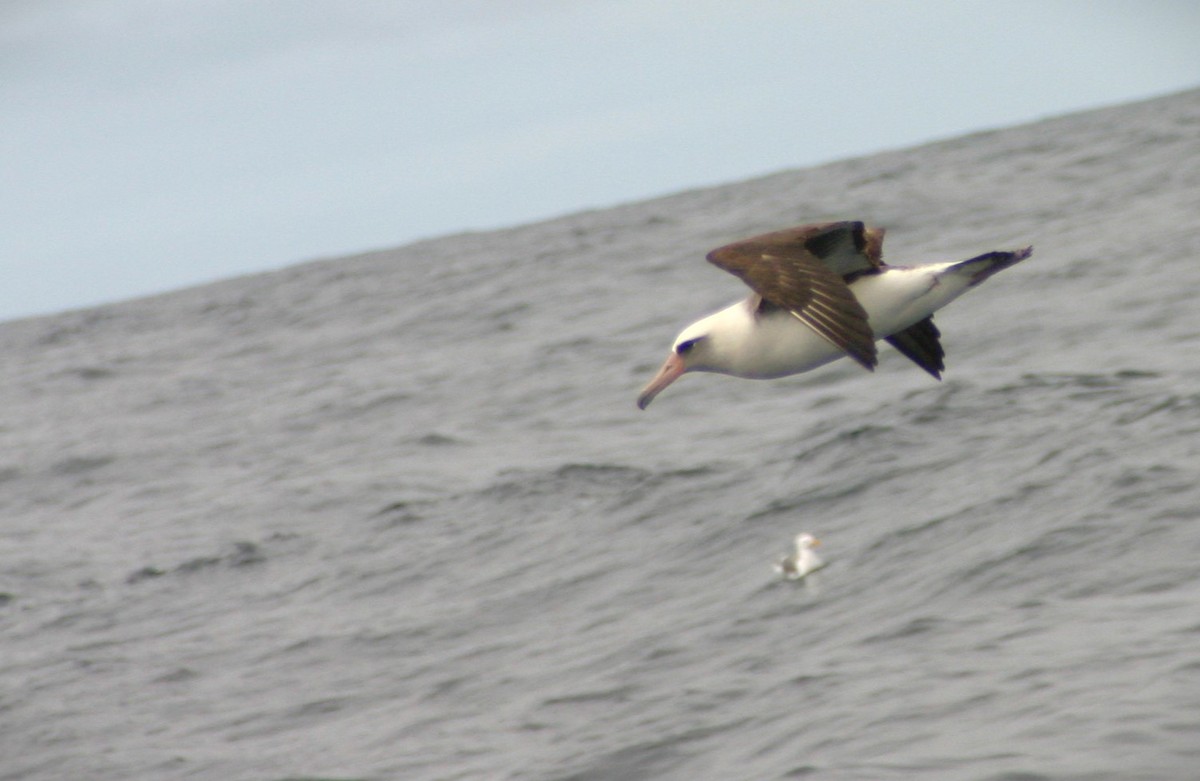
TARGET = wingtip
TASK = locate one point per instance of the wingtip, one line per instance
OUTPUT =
(868, 362)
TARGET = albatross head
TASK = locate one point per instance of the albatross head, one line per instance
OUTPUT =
(691, 352)
(711, 344)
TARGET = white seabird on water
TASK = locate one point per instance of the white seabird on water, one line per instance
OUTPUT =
(822, 292)
(803, 561)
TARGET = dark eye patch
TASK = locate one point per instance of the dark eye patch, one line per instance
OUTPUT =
(683, 347)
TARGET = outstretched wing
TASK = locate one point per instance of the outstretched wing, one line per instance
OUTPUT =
(803, 270)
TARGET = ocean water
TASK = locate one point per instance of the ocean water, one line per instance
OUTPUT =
(397, 516)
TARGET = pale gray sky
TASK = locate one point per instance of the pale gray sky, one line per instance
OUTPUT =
(149, 145)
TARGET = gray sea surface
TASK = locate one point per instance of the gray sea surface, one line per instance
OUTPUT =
(396, 516)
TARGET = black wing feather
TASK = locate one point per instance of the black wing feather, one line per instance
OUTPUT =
(920, 344)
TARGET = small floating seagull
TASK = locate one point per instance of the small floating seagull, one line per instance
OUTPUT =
(821, 292)
(803, 561)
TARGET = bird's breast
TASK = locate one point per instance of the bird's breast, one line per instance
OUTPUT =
(776, 345)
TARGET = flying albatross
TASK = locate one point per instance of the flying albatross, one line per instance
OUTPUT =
(821, 292)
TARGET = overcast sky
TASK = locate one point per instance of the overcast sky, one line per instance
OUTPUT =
(148, 144)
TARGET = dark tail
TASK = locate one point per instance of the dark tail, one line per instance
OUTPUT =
(990, 262)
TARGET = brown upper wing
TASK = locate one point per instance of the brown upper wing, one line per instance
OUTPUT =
(803, 270)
